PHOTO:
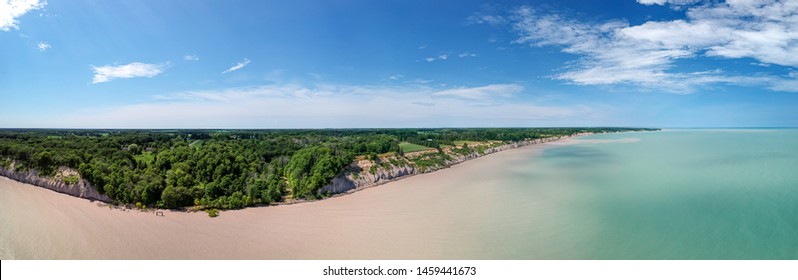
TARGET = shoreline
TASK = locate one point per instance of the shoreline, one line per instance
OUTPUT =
(67, 189)
(378, 223)
(507, 147)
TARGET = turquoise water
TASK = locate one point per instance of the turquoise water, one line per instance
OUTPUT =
(674, 194)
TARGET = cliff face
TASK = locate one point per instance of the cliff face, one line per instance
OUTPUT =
(81, 189)
(367, 173)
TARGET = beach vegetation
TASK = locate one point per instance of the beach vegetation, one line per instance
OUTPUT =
(71, 180)
(213, 212)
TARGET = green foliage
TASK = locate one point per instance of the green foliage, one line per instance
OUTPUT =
(71, 180)
(270, 189)
(396, 162)
(462, 151)
(144, 159)
(213, 213)
(134, 148)
(429, 161)
(311, 168)
(173, 197)
(465, 143)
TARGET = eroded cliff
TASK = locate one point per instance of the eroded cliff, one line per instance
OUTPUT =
(366, 173)
(80, 188)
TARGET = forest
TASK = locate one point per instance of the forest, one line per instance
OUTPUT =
(226, 169)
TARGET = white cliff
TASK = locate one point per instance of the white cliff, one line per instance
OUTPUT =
(367, 173)
(80, 189)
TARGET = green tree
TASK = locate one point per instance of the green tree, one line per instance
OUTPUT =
(176, 197)
(134, 149)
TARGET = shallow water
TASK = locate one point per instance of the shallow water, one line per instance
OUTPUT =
(676, 194)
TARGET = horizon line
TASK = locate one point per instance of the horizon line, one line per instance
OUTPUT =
(367, 128)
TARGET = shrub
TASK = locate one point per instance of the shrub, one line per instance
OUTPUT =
(213, 213)
(71, 180)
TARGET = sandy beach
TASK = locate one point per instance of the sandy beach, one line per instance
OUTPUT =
(405, 219)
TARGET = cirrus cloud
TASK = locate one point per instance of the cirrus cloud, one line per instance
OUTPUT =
(671, 2)
(481, 92)
(136, 69)
(240, 65)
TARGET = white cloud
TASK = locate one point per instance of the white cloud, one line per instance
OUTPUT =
(442, 56)
(43, 46)
(789, 83)
(190, 57)
(652, 2)
(396, 77)
(615, 52)
(237, 66)
(136, 69)
(672, 2)
(466, 54)
(484, 18)
(11, 10)
(420, 103)
(483, 92)
(330, 105)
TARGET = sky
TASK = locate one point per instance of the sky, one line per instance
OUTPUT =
(356, 64)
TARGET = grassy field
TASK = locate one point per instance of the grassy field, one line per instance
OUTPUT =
(146, 157)
(410, 147)
(196, 144)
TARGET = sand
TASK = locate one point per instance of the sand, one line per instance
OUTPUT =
(428, 216)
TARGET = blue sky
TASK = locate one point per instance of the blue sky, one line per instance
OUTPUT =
(322, 64)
